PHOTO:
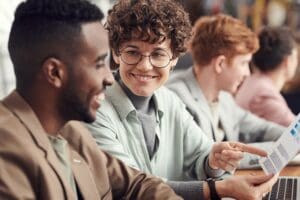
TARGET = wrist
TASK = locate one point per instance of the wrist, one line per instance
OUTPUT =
(212, 189)
(222, 188)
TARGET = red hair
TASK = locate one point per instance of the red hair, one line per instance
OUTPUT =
(221, 35)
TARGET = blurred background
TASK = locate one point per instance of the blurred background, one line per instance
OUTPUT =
(255, 13)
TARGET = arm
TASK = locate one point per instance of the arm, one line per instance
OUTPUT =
(255, 129)
(273, 109)
(197, 146)
(248, 127)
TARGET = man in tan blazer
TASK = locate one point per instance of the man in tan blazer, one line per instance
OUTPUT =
(58, 49)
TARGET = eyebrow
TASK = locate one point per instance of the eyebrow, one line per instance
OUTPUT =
(135, 47)
(101, 57)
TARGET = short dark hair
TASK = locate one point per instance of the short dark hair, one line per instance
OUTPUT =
(46, 28)
(275, 44)
(152, 21)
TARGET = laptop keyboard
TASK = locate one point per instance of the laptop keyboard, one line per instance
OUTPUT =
(284, 189)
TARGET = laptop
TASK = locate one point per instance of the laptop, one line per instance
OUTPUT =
(286, 188)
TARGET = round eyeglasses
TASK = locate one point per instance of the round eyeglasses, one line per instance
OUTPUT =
(158, 58)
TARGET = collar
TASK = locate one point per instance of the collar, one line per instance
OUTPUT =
(124, 106)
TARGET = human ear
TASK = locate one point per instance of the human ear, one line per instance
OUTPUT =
(173, 63)
(54, 71)
(219, 63)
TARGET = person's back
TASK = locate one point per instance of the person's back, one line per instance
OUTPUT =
(274, 64)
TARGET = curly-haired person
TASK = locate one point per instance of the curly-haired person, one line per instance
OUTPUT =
(144, 124)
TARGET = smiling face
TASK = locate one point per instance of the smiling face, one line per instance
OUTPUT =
(88, 75)
(143, 78)
(234, 73)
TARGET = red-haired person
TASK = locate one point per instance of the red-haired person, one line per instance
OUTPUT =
(222, 48)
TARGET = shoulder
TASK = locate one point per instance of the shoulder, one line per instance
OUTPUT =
(177, 79)
(16, 144)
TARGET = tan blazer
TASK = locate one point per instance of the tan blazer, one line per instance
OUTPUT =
(29, 168)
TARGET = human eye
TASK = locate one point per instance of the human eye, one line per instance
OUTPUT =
(132, 52)
(159, 55)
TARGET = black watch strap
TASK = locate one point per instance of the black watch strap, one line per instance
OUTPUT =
(212, 188)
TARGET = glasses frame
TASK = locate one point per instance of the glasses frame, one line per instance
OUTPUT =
(149, 56)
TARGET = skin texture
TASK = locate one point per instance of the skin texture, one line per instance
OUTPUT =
(84, 87)
(231, 75)
(143, 79)
(75, 87)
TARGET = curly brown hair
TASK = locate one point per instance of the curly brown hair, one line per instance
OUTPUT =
(150, 21)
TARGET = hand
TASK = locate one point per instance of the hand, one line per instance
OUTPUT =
(227, 155)
(249, 187)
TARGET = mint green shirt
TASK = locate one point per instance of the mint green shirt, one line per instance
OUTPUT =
(182, 147)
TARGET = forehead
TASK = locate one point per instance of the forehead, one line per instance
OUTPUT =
(95, 37)
(146, 46)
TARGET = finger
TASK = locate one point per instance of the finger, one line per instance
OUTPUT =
(250, 149)
(259, 179)
(232, 161)
(267, 185)
(232, 154)
(224, 164)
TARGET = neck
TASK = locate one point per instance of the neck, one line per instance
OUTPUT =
(141, 103)
(46, 113)
(277, 77)
(207, 82)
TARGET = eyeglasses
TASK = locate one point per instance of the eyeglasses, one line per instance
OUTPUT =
(158, 58)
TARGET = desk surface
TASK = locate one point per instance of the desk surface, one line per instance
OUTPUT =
(287, 171)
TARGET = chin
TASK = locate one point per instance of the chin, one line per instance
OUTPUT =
(142, 93)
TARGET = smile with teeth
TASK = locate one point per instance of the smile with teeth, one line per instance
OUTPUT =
(100, 97)
(141, 77)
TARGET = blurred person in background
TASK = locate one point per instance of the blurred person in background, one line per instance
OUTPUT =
(275, 63)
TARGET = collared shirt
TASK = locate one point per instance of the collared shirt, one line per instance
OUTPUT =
(60, 146)
(182, 146)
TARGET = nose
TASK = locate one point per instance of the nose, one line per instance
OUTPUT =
(144, 64)
(108, 77)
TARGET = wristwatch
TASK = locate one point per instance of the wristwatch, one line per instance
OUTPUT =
(212, 188)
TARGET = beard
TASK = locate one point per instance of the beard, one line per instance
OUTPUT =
(74, 104)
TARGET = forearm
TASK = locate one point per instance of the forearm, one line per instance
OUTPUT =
(190, 189)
